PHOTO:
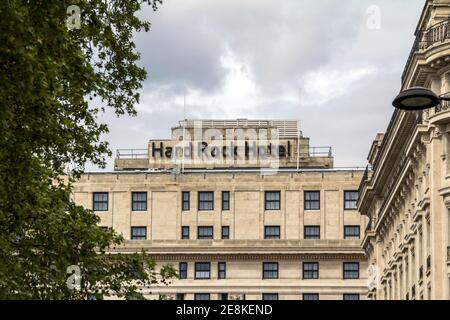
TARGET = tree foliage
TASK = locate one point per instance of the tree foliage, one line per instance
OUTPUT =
(49, 77)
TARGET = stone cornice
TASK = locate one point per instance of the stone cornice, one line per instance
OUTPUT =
(445, 192)
(255, 257)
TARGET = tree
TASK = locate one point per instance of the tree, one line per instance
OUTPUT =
(50, 71)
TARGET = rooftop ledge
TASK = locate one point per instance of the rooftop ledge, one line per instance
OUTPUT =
(228, 170)
(244, 246)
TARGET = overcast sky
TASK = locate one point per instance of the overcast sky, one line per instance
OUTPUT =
(323, 62)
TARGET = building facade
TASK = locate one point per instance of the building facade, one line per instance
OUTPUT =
(405, 191)
(268, 219)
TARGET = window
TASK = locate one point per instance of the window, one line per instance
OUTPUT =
(205, 233)
(225, 200)
(183, 270)
(312, 232)
(270, 270)
(206, 201)
(138, 233)
(351, 232)
(222, 268)
(310, 270)
(351, 296)
(351, 270)
(350, 200)
(272, 200)
(202, 296)
(311, 296)
(136, 268)
(104, 228)
(270, 296)
(312, 200)
(180, 296)
(185, 233)
(224, 296)
(139, 201)
(202, 270)
(272, 232)
(100, 201)
(225, 232)
(186, 201)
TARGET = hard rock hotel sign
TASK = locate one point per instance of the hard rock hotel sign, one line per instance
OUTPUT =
(229, 147)
(214, 145)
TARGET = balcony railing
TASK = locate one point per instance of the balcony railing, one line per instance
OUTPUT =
(126, 154)
(444, 106)
(426, 38)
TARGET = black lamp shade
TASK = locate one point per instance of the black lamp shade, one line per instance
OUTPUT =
(416, 98)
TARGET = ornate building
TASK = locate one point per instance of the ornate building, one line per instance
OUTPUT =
(405, 191)
(257, 215)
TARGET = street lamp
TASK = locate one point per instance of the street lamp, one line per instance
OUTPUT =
(417, 98)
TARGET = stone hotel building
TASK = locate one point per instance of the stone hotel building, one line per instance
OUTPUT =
(276, 220)
(405, 191)
(262, 216)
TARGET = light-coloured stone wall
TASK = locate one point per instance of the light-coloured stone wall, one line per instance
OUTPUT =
(406, 195)
(246, 249)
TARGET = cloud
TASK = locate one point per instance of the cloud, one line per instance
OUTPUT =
(311, 60)
(325, 84)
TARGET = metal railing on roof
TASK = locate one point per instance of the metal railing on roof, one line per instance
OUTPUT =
(131, 154)
(318, 152)
(285, 128)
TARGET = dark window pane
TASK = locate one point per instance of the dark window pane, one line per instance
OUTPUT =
(351, 232)
(139, 201)
(310, 296)
(270, 296)
(185, 201)
(225, 200)
(310, 270)
(206, 201)
(204, 233)
(185, 233)
(272, 200)
(222, 270)
(312, 232)
(351, 270)
(312, 200)
(202, 296)
(351, 296)
(138, 233)
(225, 232)
(202, 270)
(270, 270)
(183, 270)
(100, 201)
(350, 200)
(272, 232)
(180, 296)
